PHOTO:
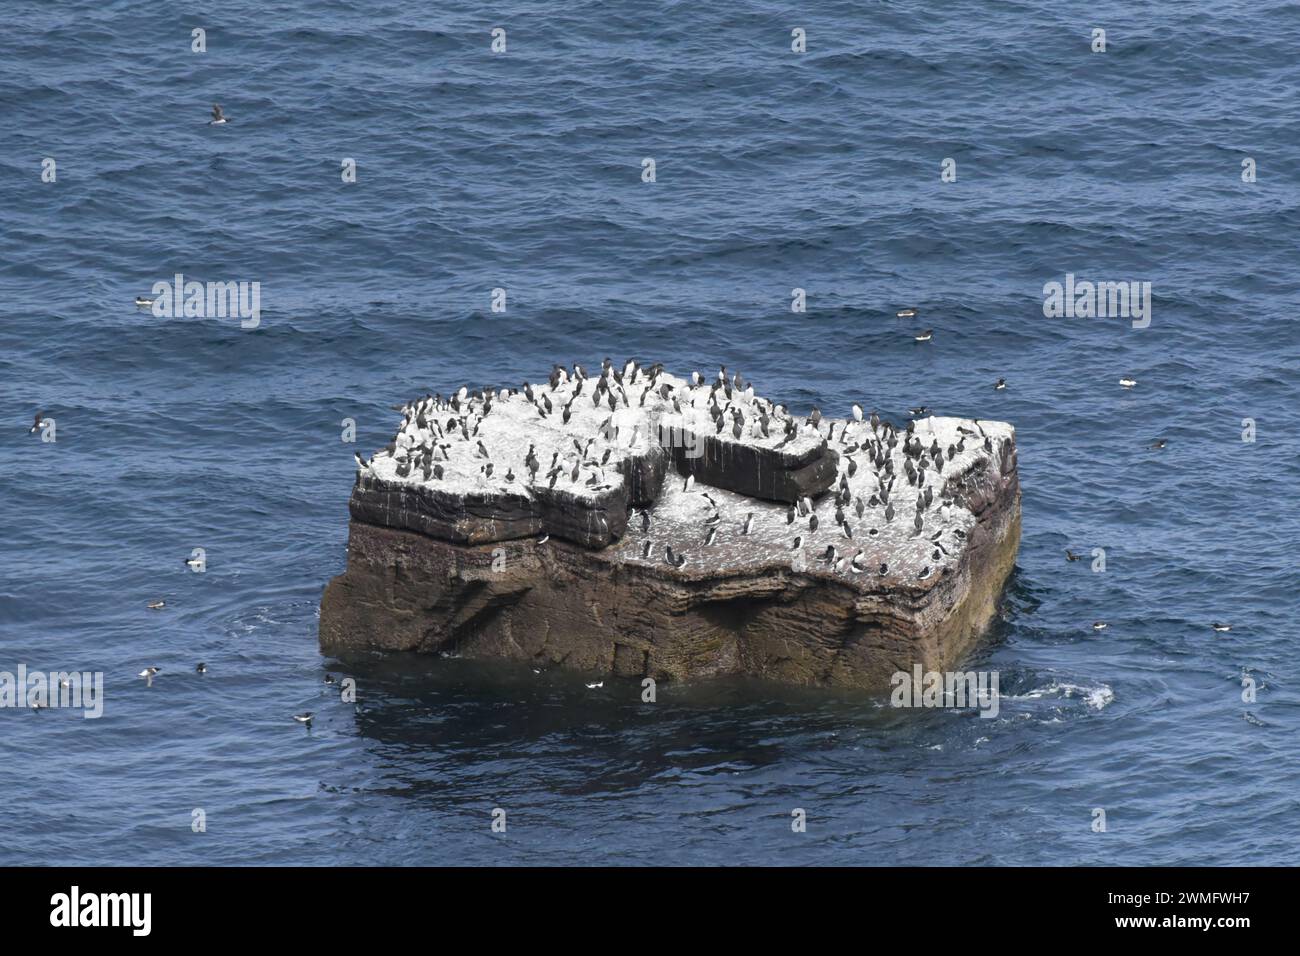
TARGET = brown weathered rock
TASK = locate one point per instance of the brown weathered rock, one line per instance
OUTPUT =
(468, 576)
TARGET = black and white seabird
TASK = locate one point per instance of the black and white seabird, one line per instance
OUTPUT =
(200, 668)
(1222, 628)
(194, 563)
(1071, 556)
(304, 718)
(925, 336)
(148, 673)
(143, 301)
(906, 313)
(218, 117)
(1127, 382)
(36, 424)
(749, 524)
(1159, 443)
(156, 605)
(1000, 384)
(1099, 625)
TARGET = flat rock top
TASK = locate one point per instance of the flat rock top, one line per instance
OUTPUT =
(575, 435)
(775, 538)
(596, 437)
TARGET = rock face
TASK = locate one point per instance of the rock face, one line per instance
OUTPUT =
(894, 555)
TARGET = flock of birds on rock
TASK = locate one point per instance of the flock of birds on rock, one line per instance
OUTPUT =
(434, 427)
(873, 441)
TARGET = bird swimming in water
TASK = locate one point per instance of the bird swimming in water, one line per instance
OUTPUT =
(194, 563)
(1127, 382)
(304, 718)
(143, 302)
(925, 336)
(1000, 384)
(1159, 443)
(1071, 556)
(200, 668)
(1099, 625)
(218, 118)
(596, 685)
(906, 313)
(148, 674)
(1222, 628)
(36, 424)
(156, 605)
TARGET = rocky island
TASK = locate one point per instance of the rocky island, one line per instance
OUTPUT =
(633, 523)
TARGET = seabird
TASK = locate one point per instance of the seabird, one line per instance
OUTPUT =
(1127, 382)
(1000, 384)
(712, 535)
(596, 686)
(36, 424)
(1099, 625)
(749, 523)
(857, 412)
(906, 313)
(812, 523)
(798, 543)
(1071, 556)
(925, 336)
(645, 549)
(143, 301)
(1221, 627)
(156, 605)
(1159, 443)
(331, 679)
(218, 117)
(304, 718)
(149, 672)
(194, 563)
(690, 483)
(200, 668)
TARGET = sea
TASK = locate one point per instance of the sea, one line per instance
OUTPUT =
(437, 195)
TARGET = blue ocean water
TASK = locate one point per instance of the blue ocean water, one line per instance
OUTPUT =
(523, 170)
